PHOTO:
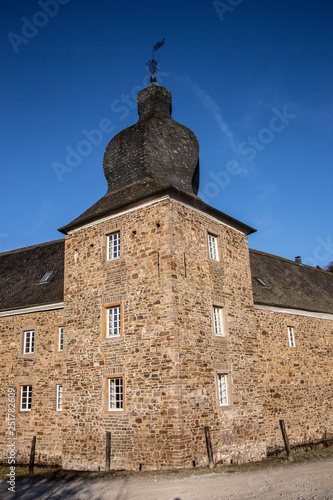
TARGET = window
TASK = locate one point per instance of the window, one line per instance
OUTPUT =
(29, 342)
(212, 247)
(26, 391)
(261, 281)
(291, 336)
(59, 397)
(218, 321)
(116, 395)
(222, 379)
(46, 277)
(113, 321)
(113, 246)
(61, 338)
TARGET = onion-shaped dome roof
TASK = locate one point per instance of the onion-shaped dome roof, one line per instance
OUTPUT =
(156, 147)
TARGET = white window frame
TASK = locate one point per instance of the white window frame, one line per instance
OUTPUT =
(223, 389)
(113, 322)
(59, 397)
(25, 397)
(113, 245)
(28, 341)
(116, 394)
(218, 321)
(212, 247)
(291, 336)
(60, 338)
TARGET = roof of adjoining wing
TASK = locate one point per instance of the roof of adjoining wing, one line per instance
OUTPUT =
(290, 285)
(21, 271)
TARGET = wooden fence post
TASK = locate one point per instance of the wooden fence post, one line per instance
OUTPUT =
(209, 447)
(107, 451)
(32, 456)
(286, 440)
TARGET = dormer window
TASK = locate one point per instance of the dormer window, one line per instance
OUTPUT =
(46, 278)
(261, 281)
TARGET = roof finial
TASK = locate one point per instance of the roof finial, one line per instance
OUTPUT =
(152, 64)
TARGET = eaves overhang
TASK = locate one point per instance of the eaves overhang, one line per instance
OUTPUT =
(170, 191)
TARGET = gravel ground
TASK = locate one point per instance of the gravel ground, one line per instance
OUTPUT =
(311, 480)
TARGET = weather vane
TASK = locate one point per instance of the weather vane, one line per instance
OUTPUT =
(153, 63)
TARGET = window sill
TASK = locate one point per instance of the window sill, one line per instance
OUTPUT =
(117, 260)
(30, 357)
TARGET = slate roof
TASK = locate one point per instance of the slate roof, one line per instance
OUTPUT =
(156, 147)
(114, 200)
(290, 285)
(154, 157)
(148, 189)
(20, 273)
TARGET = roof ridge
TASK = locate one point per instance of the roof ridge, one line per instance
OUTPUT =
(31, 247)
(290, 261)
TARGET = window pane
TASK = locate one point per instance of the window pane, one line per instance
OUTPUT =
(114, 246)
(115, 393)
(223, 389)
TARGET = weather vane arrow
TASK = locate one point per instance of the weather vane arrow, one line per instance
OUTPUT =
(153, 64)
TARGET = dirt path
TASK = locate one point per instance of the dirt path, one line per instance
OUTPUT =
(305, 481)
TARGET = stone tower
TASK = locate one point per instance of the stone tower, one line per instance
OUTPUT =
(160, 331)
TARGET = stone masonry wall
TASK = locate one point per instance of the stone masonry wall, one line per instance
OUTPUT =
(235, 429)
(297, 381)
(167, 353)
(43, 371)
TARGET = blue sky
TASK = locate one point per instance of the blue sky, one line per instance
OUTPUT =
(252, 79)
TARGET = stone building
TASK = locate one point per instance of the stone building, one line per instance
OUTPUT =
(152, 320)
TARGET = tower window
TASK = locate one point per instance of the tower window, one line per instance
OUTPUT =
(61, 338)
(212, 247)
(218, 321)
(59, 397)
(113, 321)
(222, 379)
(29, 342)
(113, 245)
(116, 393)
